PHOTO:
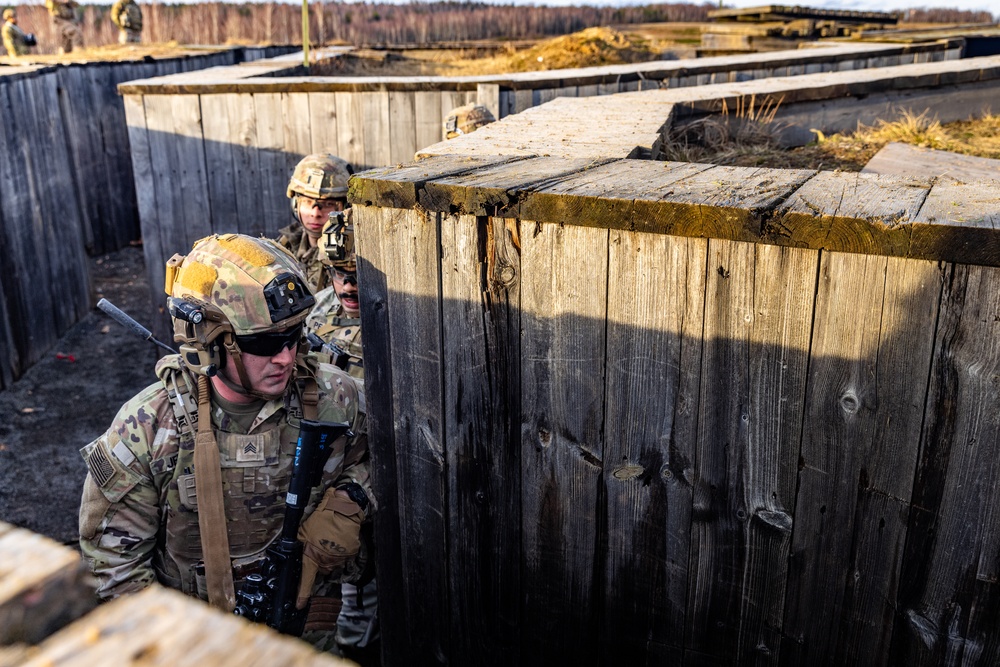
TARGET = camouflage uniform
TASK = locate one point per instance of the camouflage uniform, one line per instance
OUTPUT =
(295, 240)
(319, 177)
(14, 39)
(139, 520)
(128, 17)
(63, 14)
(357, 626)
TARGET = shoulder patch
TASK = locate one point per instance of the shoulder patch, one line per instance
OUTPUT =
(106, 466)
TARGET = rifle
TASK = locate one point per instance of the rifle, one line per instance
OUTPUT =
(122, 318)
(269, 597)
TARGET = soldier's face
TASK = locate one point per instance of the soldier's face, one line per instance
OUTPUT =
(314, 213)
(268, 375)
(346, 287)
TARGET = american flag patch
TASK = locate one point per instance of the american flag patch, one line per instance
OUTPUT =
(100, 467)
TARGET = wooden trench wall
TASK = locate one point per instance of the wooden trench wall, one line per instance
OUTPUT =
(212, 150)
(636, 412)
(66, 190)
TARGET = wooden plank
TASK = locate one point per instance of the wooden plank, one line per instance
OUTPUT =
(487, 191)
(480, 291)
(246, 164)
(412, 281)
(324, 128)
(78, 111)
(428, 117)
(193, 180)
(149, 211)
(400, 187)
(374, 260)
(119, 196)
(869, 363)
(170, 626)
(376, 142)
(350, 128)
(402, 138)
(219, 171)
(851, 212)
(298, 141)
(563, 306)
(916, 162)
(758, 316)
(43, 586)
(272, 162)
(948, 585)
(653, 344)
(488, 95)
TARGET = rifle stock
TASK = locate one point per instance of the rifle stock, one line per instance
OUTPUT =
(269, 597)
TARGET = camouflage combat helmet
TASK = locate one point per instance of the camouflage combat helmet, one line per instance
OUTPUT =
(9, 14)
(320, 176)
(466, 119)
(336, 242)
(229, 293)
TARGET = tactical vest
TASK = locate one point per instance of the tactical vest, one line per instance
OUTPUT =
(256, 470)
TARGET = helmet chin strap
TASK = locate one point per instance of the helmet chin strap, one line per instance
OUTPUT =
(244, 388)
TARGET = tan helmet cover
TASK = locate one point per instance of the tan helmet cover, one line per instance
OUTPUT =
(336, 242)
(320, 176)
(9, 14)
(466, 119)
(239, 285)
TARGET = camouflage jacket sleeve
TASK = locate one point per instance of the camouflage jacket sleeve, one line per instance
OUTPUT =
(120, 508)
(342, 398)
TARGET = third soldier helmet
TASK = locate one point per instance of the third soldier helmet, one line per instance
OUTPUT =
(466, 119)
(233, 295)
(320, 176)
(9, 14)
(336, 243)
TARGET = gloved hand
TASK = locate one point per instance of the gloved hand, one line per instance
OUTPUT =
(330, 537)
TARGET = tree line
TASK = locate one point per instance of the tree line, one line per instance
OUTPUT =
(377, 23)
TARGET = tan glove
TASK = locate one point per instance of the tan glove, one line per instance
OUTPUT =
(330, 537)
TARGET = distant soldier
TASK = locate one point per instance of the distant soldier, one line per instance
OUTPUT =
(318, 187)
(63, 14)
(128, 17)
(466, 119)
(15, 40)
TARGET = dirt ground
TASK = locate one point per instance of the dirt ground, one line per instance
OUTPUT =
(69, 398)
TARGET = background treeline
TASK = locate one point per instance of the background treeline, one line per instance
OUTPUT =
(355, 23)
(378, 23)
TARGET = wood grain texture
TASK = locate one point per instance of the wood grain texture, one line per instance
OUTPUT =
(948, 585)
(652, 383)
(374, 259)
(409, 262)
(874, 320)
(43, 586)
(272, 163)
(402, 138)
(165, 626)
(564, 302)
(758, 313)
(480, 283)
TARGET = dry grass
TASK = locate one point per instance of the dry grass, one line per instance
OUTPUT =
(588, 48)
(751, 142)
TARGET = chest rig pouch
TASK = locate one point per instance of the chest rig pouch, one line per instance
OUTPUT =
(256, 470)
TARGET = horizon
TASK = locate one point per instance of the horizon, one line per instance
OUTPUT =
(992, 6)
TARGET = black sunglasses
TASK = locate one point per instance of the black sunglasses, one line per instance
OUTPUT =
(269, 344)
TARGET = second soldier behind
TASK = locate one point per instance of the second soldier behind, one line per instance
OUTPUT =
(318, 187)
(465, 120)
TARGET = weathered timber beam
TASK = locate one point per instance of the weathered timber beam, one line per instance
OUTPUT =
(43, 586)
(848, 212)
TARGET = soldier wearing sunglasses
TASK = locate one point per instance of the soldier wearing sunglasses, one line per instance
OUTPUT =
(187, 488)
